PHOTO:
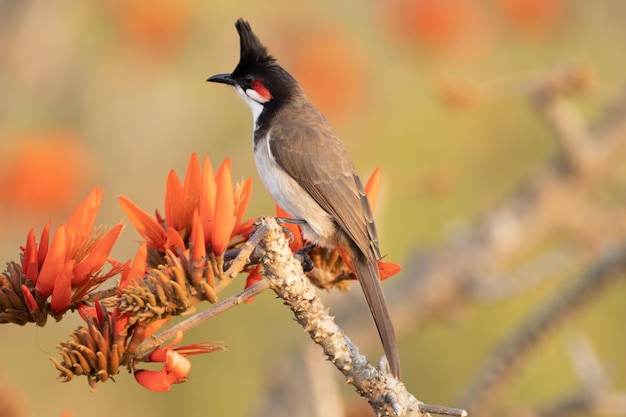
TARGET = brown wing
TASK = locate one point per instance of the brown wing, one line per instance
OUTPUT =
(311, 152)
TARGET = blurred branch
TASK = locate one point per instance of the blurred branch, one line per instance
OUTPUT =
(506, 359)
(595, 397)
(587, 365)
(530, 275)
(313, 389)
(568, 127)
(542, 209)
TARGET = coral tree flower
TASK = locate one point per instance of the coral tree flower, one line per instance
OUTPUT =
(72, 265)
(176, 366)
(59, 271)
(111, 339)
(203, 219)
(210, 199)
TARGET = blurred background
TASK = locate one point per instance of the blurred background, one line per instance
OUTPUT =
(434, 92)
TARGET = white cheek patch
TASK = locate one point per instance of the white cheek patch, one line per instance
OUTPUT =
(254, 95)
(255, 106)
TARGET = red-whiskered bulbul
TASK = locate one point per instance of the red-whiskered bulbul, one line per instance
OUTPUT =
(308, 171)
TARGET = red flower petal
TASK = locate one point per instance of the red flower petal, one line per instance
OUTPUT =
(137, 270)
(145, 224)
(206, 205)
(373, 187)
(97, 256)
(224, 219)
(388, 269)
(177, 366)
(244, 229)
(30, 266)
(29, 299)
(87, 312)
(101, 313)
(53, 264)
(242, 199)
(154, 326)
(192, 186)
(197, 239)
(174, 202)
(155, 381)
(62, 291)
(345, 257)
(43, 243)
(159, 354)
(174, 241)
(253, 277)
(80, 223)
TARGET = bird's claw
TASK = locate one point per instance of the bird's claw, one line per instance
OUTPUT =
(303, 256)
(285, 220)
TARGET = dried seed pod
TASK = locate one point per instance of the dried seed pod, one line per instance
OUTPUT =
(163, 292)
(89, 353)
(14, 308)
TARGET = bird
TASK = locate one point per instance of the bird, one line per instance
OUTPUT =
(307, 170)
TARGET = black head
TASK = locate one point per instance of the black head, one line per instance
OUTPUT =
(253, 54)
(257, 76)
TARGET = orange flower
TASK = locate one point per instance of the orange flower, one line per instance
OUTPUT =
(254, 276)
(111, 340)
(372, 187)
(176, 366)
(145, 224)
(67, 267)
(219, 208)
(224, 219)
(136, 270)
(98, 350)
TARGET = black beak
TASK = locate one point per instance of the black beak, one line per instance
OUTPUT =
(222, 78)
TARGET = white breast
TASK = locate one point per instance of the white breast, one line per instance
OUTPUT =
(292, 197)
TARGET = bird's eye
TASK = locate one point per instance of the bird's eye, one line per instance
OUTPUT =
(248, 80)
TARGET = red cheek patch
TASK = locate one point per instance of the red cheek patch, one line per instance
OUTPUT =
(261, 90)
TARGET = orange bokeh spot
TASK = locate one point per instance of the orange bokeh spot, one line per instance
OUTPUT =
(155, 25)
(533, 16)
(333, 70)
(457, 26)
(43, 173)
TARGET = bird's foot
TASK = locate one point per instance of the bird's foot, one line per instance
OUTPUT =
(285, 220)
(303, 256)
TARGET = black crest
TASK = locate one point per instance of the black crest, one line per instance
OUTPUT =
(253, 54)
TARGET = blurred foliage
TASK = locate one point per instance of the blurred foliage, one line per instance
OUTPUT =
(125, 80)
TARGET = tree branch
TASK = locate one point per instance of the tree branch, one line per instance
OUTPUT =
(149, 345)
(386, 395)
(502, 363)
